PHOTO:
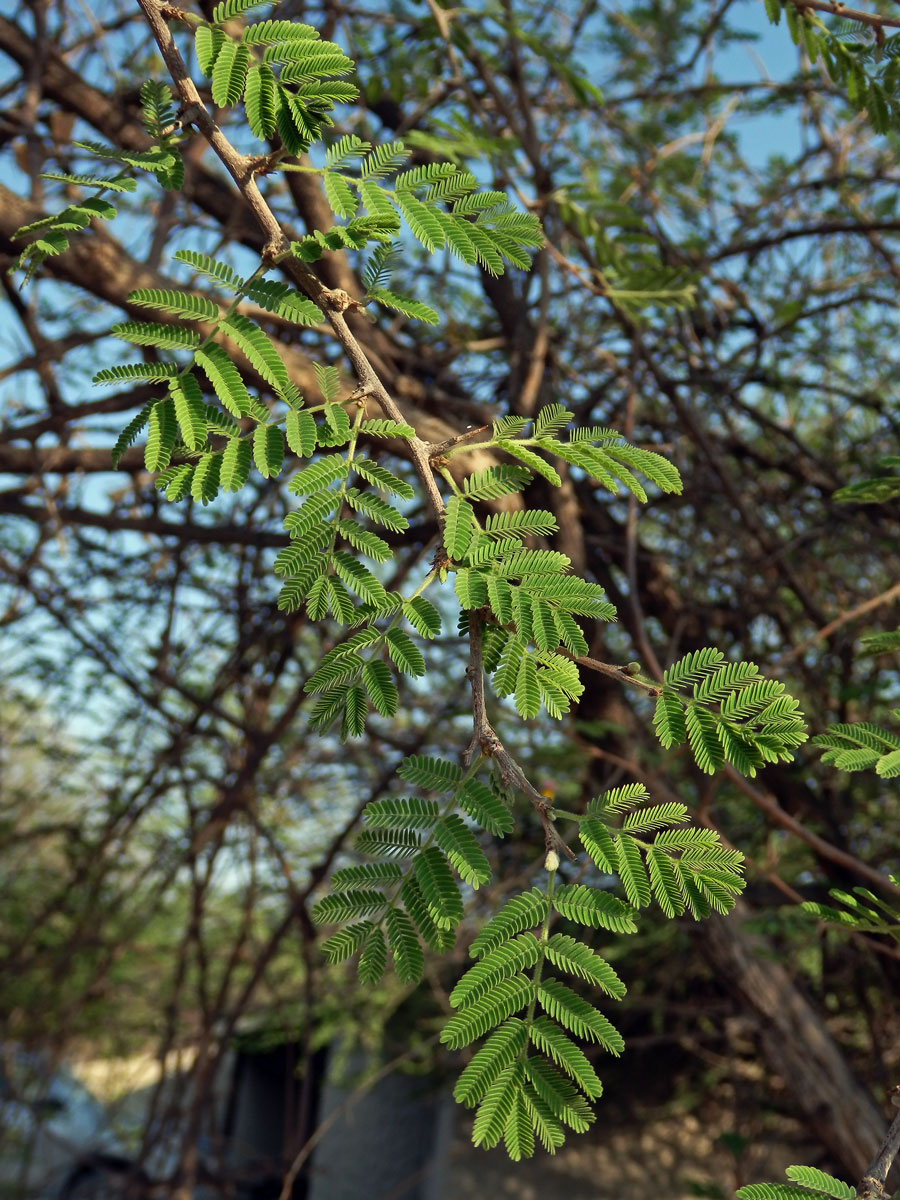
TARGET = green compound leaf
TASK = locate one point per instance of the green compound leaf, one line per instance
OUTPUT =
(413, 813)
(430, 774)
(632, 871)
(205, 480)
(577, 1015)
(331, 910)
(813, 1178)
(339, 195)
(703, 738)
(518, 1133)
(458, 842)
(500, 1050)
(260, 101)
(694, 667)
(268, 450)
(598, 842)
(128, 435)
(227, 10)
(176, 482)
(593, 907)
(300, 433)
(779, 1191)
(520, 523)
(470, 588)
(503, 962)
(531, 460)
(436, 938)
(400, 843)
(353, 720)
(547, 1128)
(150, 333)
(439, 889)
(162, 429)
(405, 305)
(497, 1107)
(225, 379)
(518, 914)
(505, 998)
(409, 961)
(423, 616)
(459, 528)
(183, 304)
(229, 73)
(189, 410)
(376, 509)
(384, 479)
(560, 1096)
(365, 876)
(345, 943)
(579, 960)
(258, 348)
(556, 1044)
(527, 693)
(484, 806)
(664, 882)
(376, 427)
(373, 959)
(358, 578)
(669, 720)
(129, 371)
(319, 475)
(369, 543)
(405, 654)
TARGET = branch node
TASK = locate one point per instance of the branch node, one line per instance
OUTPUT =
(338, 300)
(262, 164)
(273, 249)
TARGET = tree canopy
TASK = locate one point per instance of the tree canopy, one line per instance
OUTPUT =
(568, 314)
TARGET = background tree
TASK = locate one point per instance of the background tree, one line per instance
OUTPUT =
(768, 383)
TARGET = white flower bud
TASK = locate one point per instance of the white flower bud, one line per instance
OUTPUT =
(551, 862)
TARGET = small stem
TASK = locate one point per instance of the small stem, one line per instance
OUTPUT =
(565, 814)
(539, 965)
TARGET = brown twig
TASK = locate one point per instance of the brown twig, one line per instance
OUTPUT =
(485, 741)
(877, 21)
(845, 618)
(872, 1184)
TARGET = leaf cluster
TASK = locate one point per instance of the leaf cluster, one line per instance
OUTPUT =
(52, 235)
(655, 857)
(731, 714)
(806, 1183)
(424, 851)
(530, 1079)
(288, 78)
(860, 61)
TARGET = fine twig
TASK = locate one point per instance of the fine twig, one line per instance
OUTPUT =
(871, 1186)
(485, 741)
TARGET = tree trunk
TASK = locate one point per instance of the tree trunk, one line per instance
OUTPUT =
(797, 1046)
